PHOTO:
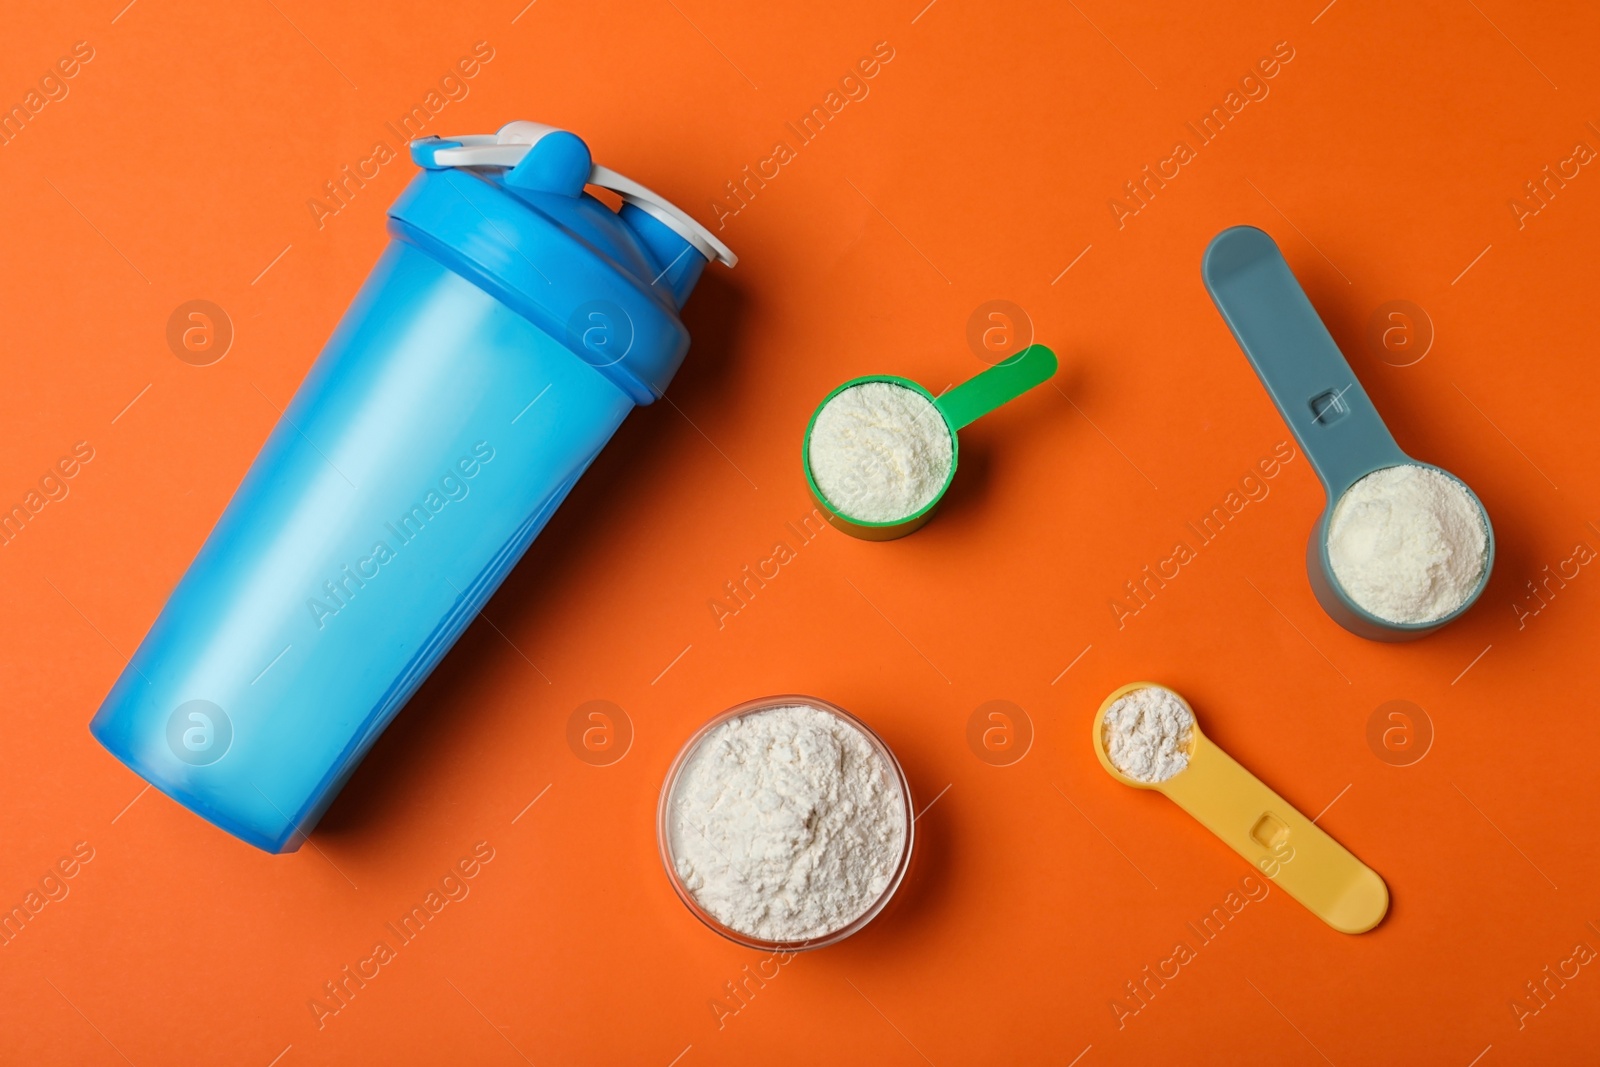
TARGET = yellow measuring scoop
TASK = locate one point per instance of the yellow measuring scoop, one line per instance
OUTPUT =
(1262, 827)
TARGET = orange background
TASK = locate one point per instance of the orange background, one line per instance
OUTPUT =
(979, 167)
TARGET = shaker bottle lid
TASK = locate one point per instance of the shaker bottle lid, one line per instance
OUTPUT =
(511, 145)
(509, 211)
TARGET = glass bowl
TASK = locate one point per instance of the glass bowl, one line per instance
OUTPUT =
(664, 827)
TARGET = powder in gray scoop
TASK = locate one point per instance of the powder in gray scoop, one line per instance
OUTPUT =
(1408, 543)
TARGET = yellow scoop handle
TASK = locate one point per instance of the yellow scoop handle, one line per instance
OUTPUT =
(1264, 828)
(1282, 843)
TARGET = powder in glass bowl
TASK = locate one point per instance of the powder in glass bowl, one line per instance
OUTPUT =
(786, 823)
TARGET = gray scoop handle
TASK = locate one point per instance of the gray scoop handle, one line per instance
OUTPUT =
(1297, 360)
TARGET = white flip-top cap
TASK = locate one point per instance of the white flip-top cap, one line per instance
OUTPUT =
(507, 148)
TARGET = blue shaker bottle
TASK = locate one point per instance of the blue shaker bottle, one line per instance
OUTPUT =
(511, 324)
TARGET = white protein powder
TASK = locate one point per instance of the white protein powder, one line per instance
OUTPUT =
(786, 824)
(1147, 734)
(879, 452)
(1407, 543)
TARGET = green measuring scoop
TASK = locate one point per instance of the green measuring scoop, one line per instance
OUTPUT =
(966, 403)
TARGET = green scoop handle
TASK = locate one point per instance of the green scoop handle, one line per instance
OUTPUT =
(1000, 384)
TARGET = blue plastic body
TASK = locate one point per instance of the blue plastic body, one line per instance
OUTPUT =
(493, 351)
(1319, 396)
